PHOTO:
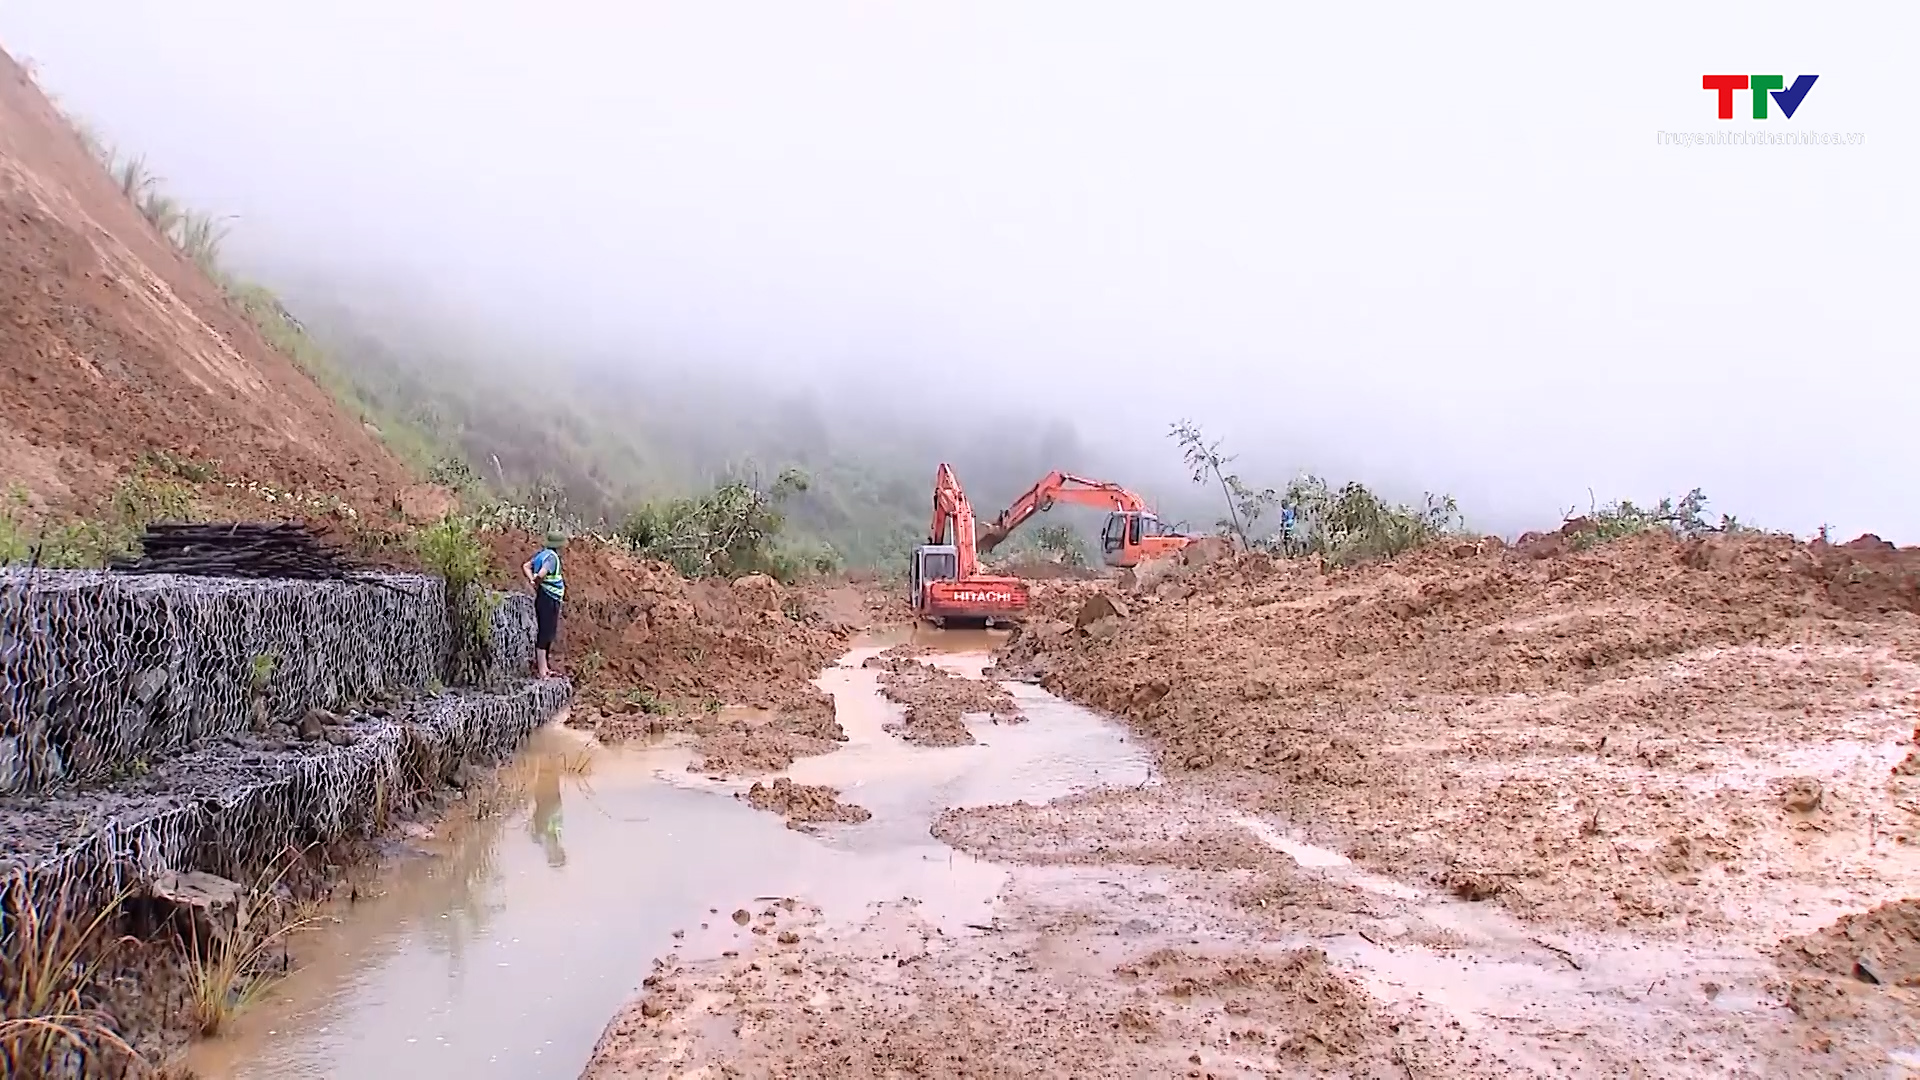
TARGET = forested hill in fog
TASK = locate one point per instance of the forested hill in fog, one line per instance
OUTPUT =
(608, 432)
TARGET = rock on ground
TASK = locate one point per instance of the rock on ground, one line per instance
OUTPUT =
(803, 804)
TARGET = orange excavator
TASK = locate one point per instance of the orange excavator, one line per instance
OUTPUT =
(1133, 533)
(945, 580)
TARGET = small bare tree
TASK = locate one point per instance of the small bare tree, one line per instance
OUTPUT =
(1245, 505)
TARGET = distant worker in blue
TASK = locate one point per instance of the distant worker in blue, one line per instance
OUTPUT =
(549, 589)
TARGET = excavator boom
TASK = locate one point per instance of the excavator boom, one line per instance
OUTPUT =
(1057, 487)
(952, 511)
(1132, 534)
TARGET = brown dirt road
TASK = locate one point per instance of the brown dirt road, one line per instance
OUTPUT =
(1634, 810)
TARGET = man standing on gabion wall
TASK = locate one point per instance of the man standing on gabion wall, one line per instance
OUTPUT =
(549, 589)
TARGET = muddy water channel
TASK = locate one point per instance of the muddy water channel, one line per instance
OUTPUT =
(503, 949)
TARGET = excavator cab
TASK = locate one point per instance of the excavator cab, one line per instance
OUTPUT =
(932, 562)
(1133, 536)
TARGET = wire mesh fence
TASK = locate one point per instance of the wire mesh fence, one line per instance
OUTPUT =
(229, 810)
(101, 672)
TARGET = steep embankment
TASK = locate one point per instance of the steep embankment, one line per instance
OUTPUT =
(114, 345)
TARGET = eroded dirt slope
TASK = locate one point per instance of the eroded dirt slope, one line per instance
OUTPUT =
(112, 344)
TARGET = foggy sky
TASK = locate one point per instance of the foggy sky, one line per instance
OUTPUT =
(1432, 249)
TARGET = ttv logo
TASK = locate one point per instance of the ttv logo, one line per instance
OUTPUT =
(1761, 85)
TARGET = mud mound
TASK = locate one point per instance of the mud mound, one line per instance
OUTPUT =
(648, 648)
(937, 701)
(804, 804)
(1199, 672)
(114, 345)
(1535, 732)
(1120, 826)
(1880, 946)
(1312, 1013)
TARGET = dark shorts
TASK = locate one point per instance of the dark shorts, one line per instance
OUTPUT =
(546, 620)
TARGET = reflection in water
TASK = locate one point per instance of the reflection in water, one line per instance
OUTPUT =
(493, 959)
(544, 823)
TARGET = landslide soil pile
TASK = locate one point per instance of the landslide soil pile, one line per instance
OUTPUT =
(1880, 946)
(114, 345)
(1535, 724)
(804, 804)
(652, 652)
(939, 701)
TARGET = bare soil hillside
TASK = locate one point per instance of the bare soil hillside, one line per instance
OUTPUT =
(112, 344)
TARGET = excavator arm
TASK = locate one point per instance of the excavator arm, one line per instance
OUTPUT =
(951, 511)
(1057, 487)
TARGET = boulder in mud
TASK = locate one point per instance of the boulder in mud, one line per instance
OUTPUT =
(205, 908)
(1097, 607)
(1210, 549)
(315, 723)
(1147, 577)
(758, 591)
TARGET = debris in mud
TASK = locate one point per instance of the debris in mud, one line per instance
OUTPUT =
(1311, 1012)
(1105, 827)
(937, 701)
(1098, 608)
(1801, 794)
(1880, 946)
(1472, 884)
(803, 804)
(728, 741)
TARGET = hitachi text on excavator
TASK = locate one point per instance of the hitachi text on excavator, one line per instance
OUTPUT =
(1133, 534)
(947, 586)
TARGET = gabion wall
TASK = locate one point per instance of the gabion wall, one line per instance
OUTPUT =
(510, 652)
(104, 673)
(230, 811)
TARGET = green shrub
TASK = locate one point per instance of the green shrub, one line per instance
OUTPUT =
(1351, 524)
(730, 532)
(137, 500)
(1061, 542)
(452, 550)
(1684, 517)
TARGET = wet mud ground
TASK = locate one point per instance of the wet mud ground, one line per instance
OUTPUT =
(529, 917)
(1039, 902)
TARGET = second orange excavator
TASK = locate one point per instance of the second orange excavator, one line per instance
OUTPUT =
(1133, 533)
(944, 578)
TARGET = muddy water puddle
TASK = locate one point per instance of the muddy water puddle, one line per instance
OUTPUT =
(505, 947)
